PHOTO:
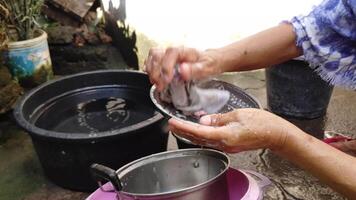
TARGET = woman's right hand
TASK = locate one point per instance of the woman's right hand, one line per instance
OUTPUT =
(193, 64)
(239, 130)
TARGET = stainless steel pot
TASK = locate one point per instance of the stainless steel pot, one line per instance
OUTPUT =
(188, 174)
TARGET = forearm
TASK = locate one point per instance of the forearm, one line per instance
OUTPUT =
(263, 49)
(330, 165)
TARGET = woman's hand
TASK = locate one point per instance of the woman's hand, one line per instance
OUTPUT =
(193, 64)
(239, 130)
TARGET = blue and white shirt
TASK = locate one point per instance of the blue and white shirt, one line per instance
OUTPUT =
(327, 37)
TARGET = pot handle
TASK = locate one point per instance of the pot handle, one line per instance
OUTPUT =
(262, 182)
(102, 173)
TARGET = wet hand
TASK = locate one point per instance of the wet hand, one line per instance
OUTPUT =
(193, 64)
(239, 130)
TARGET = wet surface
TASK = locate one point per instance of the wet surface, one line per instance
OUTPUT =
(289, 181)
(21, 175)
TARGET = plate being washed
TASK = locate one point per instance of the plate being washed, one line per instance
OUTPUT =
(238, 99)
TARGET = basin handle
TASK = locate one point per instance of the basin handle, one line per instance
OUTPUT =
(102, 173)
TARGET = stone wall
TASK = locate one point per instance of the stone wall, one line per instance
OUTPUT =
(75, 50)
(68, 59)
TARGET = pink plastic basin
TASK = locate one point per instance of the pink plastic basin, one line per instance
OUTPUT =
(243, 185)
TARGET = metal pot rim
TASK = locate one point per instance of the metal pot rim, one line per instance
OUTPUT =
(183, 139)
(170, 154)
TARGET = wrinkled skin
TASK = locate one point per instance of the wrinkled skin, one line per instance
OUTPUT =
(246, 129)
(239, 130)
(177, 83)
(243, 129)
(194, 64)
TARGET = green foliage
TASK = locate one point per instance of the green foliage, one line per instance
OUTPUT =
(4, 13)
(21, 17)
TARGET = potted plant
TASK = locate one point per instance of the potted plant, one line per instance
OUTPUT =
(27, 55)
(9, 89)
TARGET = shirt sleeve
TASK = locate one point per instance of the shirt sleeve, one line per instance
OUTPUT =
(327, 36)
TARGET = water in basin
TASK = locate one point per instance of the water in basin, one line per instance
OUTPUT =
(89, 112)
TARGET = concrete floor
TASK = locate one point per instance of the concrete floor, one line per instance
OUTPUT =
(289, 181)
(21, 176)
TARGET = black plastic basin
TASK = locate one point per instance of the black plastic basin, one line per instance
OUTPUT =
(103, 117)
(294, 90)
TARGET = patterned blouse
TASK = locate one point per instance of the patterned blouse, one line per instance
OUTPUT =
(327, 37)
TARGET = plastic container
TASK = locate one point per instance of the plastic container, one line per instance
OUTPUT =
(295, 90)
(66, 124)
(29, 61)
(173, 175)
(242, 185)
